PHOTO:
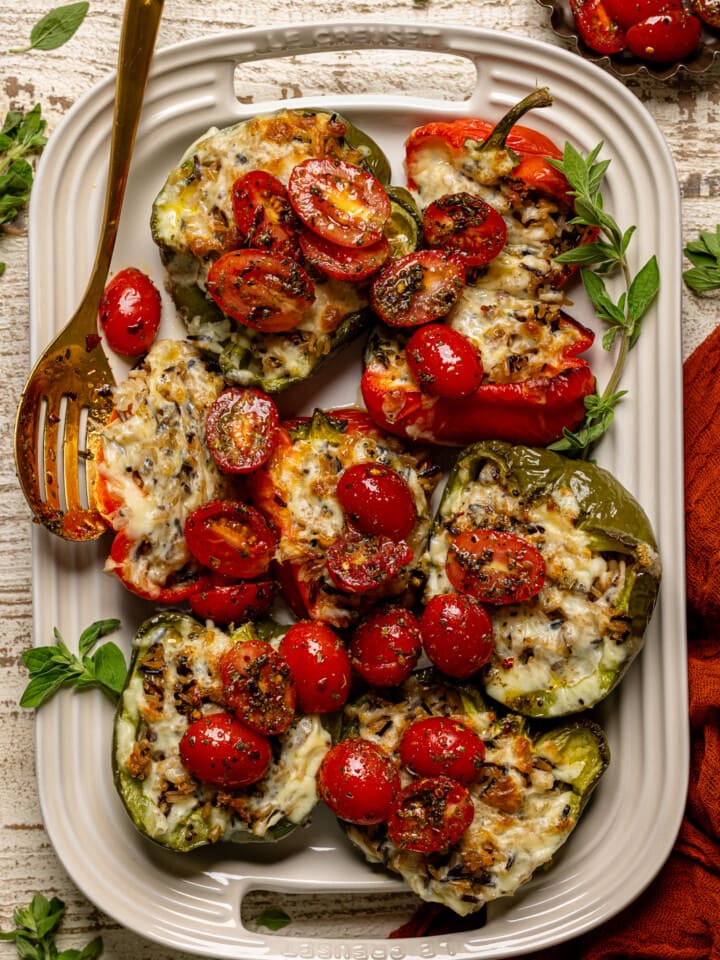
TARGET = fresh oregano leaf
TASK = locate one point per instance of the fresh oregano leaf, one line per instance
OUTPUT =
(274, 919)
(56, 27)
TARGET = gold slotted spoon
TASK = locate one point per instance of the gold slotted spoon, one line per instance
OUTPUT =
(68, 392)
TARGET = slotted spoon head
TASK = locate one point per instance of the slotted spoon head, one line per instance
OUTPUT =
(68, 395)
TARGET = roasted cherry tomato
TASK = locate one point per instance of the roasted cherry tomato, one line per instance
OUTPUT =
(339, 201)
(358, 564)
(465, 225)
(596, 27)
(456, 632)
(417, 288)
(261, 290)
(386, 646)
(431, 815)
(353, 264)
(442, 746)
(358, 782)
(130, 312)
(231, 537)
(240, 429)
(320, 665)
(707, 10)
(258, 686)
(443, 362)
(177, 588)
(264, 214)
(221, 749)
(664, 38)
(495, 566)
(628, 12)
(377, 500)
(233, 602)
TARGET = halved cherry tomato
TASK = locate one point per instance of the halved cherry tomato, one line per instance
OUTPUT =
(258, 686)
(264, 214)
(260, 290)
(339, 201)
(596, 27)
(231, 537)
(130, 312)
(417, 288)
(628, 12)
(234, 602)
(377, 501)
(319, 664)
(665, 38)
(220, 749)
(431, 815)
(358, 781)
(352, 264)
(456, 632)
(495, 566)
(240, 429)
(386, 646)
(176, 588)
(442, 746)
(465, 225)
(358, 564)
(707, 10)
(443, 362)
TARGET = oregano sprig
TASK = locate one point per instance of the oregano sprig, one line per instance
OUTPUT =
(56, 666)
(607, 255)
(35, 928)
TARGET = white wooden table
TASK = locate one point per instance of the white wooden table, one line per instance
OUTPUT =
(687, 109)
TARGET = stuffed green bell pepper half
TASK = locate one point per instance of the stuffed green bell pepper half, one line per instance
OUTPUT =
(564, 558)
(187, 770)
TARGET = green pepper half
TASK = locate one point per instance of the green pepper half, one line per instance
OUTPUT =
(174, 678)
(565, 649)
(529, 794)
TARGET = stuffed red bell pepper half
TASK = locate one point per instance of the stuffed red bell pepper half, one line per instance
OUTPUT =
(474, 341)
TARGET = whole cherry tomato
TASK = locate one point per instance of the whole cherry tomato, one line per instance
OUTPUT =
(320, 666)
(339, 201)
(664, 38)
(495, 566)
(240, 429)
(465, 225)
(431, 815)
(456, 633)
(596, 27)
(417, 288)
(707, 10)
(443, 362)
(258, 686)
(377, 500)
(231, 537)
(628, 12)
(352, 264)
(386, 646)
(358, 564)
(358, 782)
(261, 290)
(220, 749)
(233, 602)
(442, 746)
(264, 214)
(130, 312)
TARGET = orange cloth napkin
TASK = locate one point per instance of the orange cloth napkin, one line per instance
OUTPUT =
(678, 916)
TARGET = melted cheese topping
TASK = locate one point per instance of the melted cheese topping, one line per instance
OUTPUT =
(569, 640)
(155, 716)
(154, 461)
(524, 810)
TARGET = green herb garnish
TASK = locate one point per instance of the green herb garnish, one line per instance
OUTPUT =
(56, 27)
(56, 666)
(20, 137)
(704, 254)
(607, 255)
(35, 928)
(273, 918)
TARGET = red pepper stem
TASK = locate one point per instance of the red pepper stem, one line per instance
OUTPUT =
(538, 98)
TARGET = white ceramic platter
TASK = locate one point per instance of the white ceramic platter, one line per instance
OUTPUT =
(193, 902)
